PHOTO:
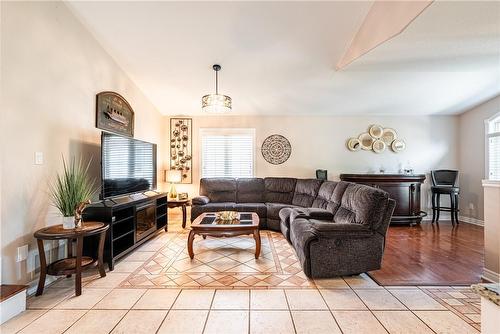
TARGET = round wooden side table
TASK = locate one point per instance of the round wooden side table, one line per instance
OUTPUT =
(71, 264)
(182, 203)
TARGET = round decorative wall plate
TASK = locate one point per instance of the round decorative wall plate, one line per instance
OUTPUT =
(389, 135)
(353, 144)
(276, 149)
(378, 146)
(398, 145)
(366, 141)
(376, 131)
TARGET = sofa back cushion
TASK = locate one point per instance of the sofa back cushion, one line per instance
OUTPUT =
(250, 190)
(279, 189)
(219, 189)
(306, 191)
(362, 205)
(330, 195)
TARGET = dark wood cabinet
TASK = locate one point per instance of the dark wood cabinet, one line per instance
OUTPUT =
(404, 189)
(132, 219)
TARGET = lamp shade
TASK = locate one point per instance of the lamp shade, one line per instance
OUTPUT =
(174, 176)
(216, 103)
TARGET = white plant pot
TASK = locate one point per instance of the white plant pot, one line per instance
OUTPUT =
(68, 222)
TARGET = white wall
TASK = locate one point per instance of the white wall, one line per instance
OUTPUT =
(320, 143)
(472, 157)
(51, 70)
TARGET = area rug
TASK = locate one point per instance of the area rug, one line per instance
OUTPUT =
(221, 263)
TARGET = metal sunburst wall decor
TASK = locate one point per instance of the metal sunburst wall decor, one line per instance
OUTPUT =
(276, 149)
(181, 147)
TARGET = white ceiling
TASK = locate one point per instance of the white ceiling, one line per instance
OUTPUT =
(278, 58)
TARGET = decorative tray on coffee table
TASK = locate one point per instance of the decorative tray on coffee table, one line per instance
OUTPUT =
(227, 218)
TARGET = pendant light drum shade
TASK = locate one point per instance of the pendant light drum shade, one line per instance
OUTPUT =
(216, 103)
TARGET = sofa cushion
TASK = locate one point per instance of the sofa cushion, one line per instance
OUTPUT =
(259, 208)
(197, 210)
(273, 224)
(311, 213)
(305, 192)
(288, 215)
(327, 228)
(279, 189)
(330, 195)
(220, 189)
(250, 190)
(273, 209)
(362, 205)
(200, 200)
(285, 214)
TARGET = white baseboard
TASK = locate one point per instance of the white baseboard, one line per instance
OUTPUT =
(471, 220)
(12, 306)
(491, 276)
(447, 216)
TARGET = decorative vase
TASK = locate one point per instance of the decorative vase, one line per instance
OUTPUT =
(68, 222)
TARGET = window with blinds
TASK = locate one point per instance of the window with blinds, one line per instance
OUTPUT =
(227, 152)
(493, 154)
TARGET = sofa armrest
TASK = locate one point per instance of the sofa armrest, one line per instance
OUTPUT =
(311, 213)
(332, 229)
(200, 200)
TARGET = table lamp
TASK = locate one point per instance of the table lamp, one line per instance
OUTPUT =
(173, 177)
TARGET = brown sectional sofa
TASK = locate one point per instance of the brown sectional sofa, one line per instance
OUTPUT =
(336, 228)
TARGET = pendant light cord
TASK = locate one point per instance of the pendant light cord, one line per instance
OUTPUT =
(216, 82)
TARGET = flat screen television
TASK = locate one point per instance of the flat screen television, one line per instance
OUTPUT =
(127, 165)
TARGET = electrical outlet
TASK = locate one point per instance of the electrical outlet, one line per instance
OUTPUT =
(38, 158)
(22, 253)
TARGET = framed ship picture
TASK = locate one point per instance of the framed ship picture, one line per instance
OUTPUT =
(114, 114)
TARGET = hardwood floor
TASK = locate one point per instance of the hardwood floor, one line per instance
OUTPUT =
(432, 255)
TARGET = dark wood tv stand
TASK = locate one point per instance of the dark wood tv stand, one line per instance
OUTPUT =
(121, 214)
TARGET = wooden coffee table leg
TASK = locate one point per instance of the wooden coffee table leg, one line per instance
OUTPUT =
(43, 267)
(256, 236)
(100, 262)
(78, 276)
(190, 244)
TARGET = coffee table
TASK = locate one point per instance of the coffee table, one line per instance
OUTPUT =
(207, 225)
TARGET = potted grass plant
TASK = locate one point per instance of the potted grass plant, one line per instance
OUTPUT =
(71, 189)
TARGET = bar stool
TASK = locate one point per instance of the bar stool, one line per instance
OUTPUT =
(445, 182)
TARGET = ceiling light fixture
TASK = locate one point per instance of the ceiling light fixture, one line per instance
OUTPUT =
(216, 103)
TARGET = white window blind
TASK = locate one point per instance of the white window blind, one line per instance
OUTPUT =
(227, 152)
(493, 154)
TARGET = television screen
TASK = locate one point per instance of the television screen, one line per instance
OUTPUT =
(128, 165)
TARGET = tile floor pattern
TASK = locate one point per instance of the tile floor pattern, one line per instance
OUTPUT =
(220, 262)
(123, 303)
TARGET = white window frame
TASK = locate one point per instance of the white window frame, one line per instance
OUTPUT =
(226, 131)
(487, 136)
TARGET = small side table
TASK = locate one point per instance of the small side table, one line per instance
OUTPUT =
(182, 203)
(71, 264)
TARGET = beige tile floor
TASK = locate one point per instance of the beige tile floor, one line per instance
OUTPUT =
(342, 305)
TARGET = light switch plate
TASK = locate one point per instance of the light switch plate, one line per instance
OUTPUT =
(22, 253)
(38, 158)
